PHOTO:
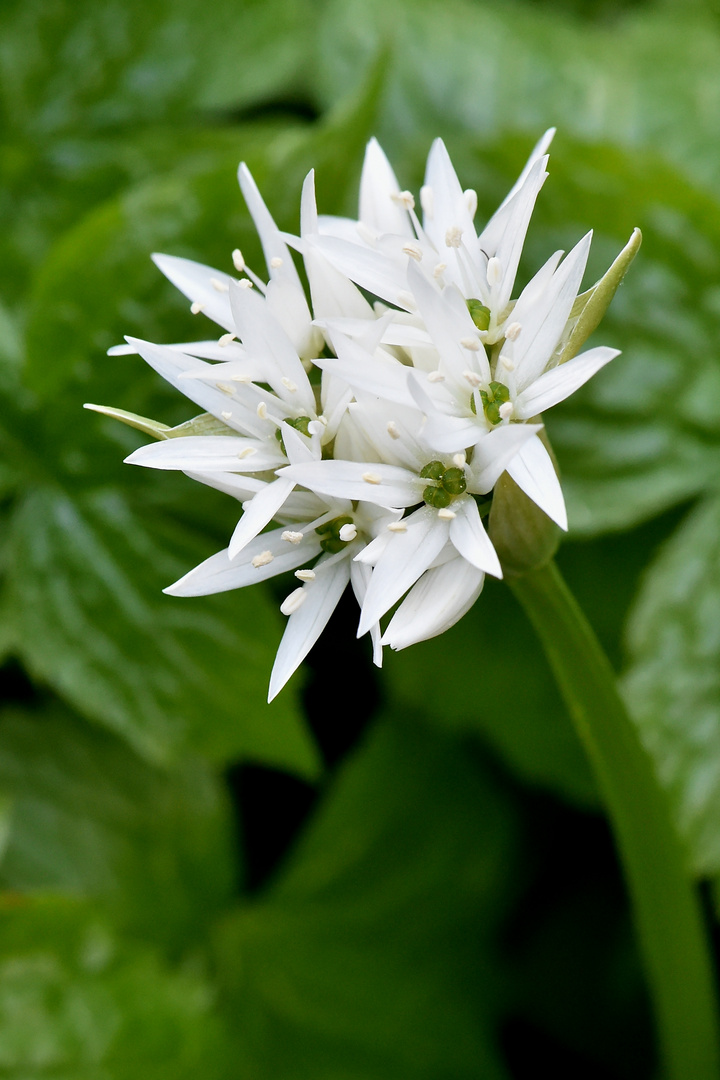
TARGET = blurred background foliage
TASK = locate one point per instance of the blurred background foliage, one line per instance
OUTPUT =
(386, 875)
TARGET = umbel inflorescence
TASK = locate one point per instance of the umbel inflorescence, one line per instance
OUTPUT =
(365, 440)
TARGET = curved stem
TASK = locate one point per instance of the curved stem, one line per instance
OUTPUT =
(666, 909)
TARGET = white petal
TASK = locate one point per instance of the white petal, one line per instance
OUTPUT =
(435, 603)
(256, 514)
(448, 321)
(407, 556)
(449, 205)
(493, 454)
(219, 573)
(194, 280)
(372, 270)
(560, 382)
(378, 209)
(208, 453)
(384, 485)
(470, 539)
(533, 471)
(274, 247)
(358, 368)
(307, 623)
(240, 487)
(360, 575)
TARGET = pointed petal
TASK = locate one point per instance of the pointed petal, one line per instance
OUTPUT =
(468, 535)
(406, 557)
(373, 270)
(560, 382)
(533, 471)
(360, 575)
(273, 245)
(258, 512)
(195, 281)
(495, 451)
(307, 623)
(448, 322)
(208, 453)
(435, 603)
(378, 184)
(358, 368)
(449, 206)
(389, 484)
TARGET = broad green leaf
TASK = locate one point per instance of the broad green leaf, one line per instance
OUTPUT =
(647, 78)
(673, 682)
(487, 676)
(369, 957)
(88, 818)
(78, 1004)
(85, 605)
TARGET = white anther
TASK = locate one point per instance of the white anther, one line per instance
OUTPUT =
(305, 575)
(507, 363)
(494, 271)
(413, 250)
(427, 200)
(196, 307)
(246, 283)
(471, 343)
(322, 419)
(513, 331)
(472, 377)
(261, 411)
(289, 385)
(406, 300)
(226, 415)
(219, 286)
(241, 378)
(397, 526)
(247, 452)
(238, 261)
(294, 601)
(276, 263)
(348, 532)
(439, 270)
(471, 201)
(453, 236)
(262, 559)
(371, 478)
(225, 388)
(315, 427)
(506, 410)
(366, 234)
(460, 460)
(405, 199)
(446, 515)
(393, 430)
(226, 339)
(435, 376)
(292, 537)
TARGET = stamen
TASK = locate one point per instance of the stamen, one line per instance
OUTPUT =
(226, 415)
(439, 270)
(289, 385)
(225, 388)
(294, 601)
(305, 575)
(513, 331)
(276, 263)
(365, 233)
(292, 537)
(460, 460)
(241, 378)
(507, 363)
(471, 201)
(261, 411)
(506, 410)
(472, 377)
(196, 307)
(371, 478)
(446, 515)
(263, 559)
(226, 339)
(405, 199)
(247, 452)
(471, 343)
(413, 250)
(219, 286)
(397, 526)
(494, 271)
(453, 236)
(427, 200)
(406, 300)
(238, 261)
(246, 283)
(435, 376)
(348, 532)
(393, 430)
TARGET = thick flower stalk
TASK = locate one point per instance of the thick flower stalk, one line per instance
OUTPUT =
(365, 441)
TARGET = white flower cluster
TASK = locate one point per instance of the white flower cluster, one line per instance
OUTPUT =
(364, 440)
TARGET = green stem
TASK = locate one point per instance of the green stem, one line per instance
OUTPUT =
(667, 913)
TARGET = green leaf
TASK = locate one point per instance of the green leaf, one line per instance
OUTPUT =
(369, 957)
(487, 677)
(85, 604)
(77, 1004)
(89, 818)
(673, 682)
